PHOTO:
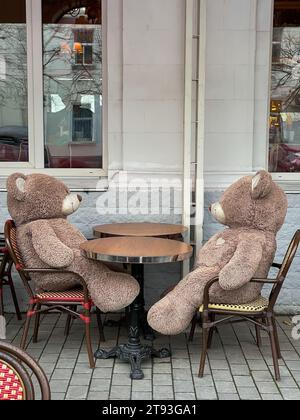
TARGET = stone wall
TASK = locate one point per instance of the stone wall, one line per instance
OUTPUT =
(158, 278)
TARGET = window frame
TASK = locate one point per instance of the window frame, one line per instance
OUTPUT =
(36, 136)
(290, 180)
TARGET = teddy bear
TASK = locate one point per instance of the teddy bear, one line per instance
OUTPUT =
(39, 205)
(254, 210)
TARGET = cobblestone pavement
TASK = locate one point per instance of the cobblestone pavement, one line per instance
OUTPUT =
(236, 368)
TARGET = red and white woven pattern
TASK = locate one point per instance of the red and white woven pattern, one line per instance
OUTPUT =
(75, 295)
(13, 240)
(11, 387)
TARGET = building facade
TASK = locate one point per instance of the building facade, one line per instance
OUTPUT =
(151, 94)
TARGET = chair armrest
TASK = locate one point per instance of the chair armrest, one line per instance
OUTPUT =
(206, 292)
(216, 279)
(264, 281)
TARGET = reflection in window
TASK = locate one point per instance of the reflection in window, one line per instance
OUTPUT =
(13, 82)
(72, 41)
(285, 89)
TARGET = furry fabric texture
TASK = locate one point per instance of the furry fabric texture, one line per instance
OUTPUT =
(39, 205)
(254, 210)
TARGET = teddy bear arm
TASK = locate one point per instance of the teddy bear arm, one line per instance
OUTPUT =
(48, 246)
(242, 266)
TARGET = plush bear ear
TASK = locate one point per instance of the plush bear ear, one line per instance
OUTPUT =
(16, 185)
(261, 185)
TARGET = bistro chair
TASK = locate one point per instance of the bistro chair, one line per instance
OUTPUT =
(198, 318)
(16, 370)
(6, 264)
(260, 313)
(45, 302)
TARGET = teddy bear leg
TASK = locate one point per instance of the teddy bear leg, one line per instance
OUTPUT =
(55, 283)
(110, 291)
(173, 314)
(113, 291)
(167, 318)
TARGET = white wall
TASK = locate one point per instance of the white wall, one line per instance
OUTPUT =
(145, 85)
(237, 87)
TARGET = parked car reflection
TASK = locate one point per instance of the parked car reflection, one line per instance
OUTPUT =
(13, 144)
(14, 148)
(284, 158)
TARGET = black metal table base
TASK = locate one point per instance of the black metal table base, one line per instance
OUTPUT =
(133, 351)
(135, 357)
(148, 333)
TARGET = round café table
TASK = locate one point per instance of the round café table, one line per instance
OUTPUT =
(161, 230)
(158, 230)
(136, 251)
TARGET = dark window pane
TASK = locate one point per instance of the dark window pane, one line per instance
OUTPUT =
(88, 54)
(72, 39)
(13, 82)
(285, 89)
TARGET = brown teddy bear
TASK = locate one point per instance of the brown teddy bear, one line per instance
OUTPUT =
(39, 205)
(254, 209)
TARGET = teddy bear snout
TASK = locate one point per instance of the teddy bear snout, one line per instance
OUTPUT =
(218, 212)
(71, 203)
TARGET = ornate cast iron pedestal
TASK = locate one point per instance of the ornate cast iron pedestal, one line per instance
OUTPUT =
(133, 351)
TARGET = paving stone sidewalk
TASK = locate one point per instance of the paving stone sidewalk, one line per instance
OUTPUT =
(236, 368)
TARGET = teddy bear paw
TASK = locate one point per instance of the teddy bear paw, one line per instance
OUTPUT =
(167, 317)
(114, 292)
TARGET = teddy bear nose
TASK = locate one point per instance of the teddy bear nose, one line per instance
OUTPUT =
(209, 208)
(79, 198)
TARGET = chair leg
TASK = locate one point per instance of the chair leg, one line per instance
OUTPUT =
(14, 297)
(258, 336)
(277, 339)
(211, 332)
(100, 325)
(88, 340)
(274, 348)
(68, 321)
(127, 315)
(193, 328)
(26, 326)
(1, 298)
(205, 332)
(36, 324)
(67, 326)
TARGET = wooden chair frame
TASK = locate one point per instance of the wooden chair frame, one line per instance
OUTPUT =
(6, 279)
(264, 320)
(37, 306)
(21, 362)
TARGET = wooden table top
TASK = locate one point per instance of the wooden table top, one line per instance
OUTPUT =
(136, 250)
(139, 229)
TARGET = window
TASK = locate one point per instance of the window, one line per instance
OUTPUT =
(284, 153)
(13, 83)
(51, 103)
(83, 45)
